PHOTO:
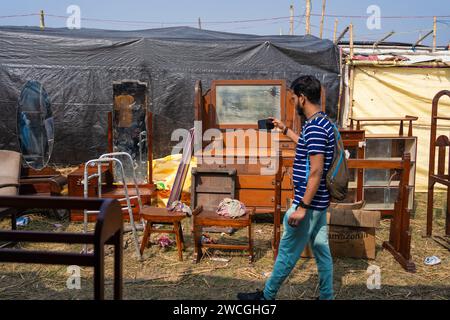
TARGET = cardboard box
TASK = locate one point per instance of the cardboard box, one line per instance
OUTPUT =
(351, 233)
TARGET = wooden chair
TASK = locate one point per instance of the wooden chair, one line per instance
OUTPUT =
(439, 174)
(108, 231)
(153, 215)
(209, 187)
(10, 162)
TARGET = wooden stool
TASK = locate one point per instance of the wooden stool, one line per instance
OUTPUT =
(154, 215)
(210, 218)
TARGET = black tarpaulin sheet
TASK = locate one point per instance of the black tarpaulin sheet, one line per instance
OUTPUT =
(77, 69)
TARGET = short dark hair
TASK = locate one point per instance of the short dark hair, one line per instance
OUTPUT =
(309, 86)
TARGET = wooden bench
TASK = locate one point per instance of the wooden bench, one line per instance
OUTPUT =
(108, 230)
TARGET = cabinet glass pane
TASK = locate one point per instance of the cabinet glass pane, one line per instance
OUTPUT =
(385, 148)
(239, 104)
(378, 148)
(381, 178)
(380, 198)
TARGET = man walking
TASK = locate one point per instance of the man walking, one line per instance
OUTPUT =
(306, 220)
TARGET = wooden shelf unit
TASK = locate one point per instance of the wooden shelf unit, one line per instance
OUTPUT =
(380, 186)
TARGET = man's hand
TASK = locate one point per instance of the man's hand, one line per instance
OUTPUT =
(278, 123)
(296, 217)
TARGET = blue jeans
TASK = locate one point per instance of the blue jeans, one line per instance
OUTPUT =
(313, 229)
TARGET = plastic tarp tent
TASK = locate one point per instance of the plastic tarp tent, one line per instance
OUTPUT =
(77, 68)
(400, 91)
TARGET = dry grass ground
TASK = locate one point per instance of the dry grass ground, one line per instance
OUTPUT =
(162, 276)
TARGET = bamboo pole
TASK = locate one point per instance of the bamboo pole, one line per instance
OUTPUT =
(322, 19)
(335, 29)
(42, 21)
(351, 40)
(342, 34)
(434, 33)
(351, 85)
(291, 20)
(308, 17)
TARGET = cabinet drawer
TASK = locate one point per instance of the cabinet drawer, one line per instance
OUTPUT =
(245, 168)
(288, 145)
(352, 134)
(261, 182)
(262, 198)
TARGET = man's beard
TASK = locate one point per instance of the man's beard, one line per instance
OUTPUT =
(300, 111)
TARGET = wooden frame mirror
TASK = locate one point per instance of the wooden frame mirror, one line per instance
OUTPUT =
(130, 128)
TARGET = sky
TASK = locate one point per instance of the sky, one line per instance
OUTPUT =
(408, 18)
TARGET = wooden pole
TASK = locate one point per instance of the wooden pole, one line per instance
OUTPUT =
(291, 20)
(351, 40)
(199, 23)
(322, 19)
(434, 33)
(308, 17)
(335, 29)
(42, 21)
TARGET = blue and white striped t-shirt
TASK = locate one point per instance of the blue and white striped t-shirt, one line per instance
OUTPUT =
(317, 138)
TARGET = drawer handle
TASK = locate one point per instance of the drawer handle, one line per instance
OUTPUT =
(285, 145)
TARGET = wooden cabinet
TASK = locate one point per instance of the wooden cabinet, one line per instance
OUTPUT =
(234, 107)
(380, 186)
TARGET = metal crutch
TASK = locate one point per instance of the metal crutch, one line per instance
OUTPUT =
(136, 186)
(87, 177)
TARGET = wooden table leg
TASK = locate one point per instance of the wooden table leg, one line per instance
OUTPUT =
(146, 236)
(250, 241)
(118, 266)
(182, 237)
(99, 273)
(177, 228)
(197, 243)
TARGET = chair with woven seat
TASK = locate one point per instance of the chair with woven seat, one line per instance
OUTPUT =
(10, 163)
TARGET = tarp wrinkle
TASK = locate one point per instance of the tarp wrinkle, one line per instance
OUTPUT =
(77, 68)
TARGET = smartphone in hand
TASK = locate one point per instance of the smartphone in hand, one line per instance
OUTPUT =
(265, 124)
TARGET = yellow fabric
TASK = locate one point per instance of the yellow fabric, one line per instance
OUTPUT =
(396, 91)
(165, 170)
